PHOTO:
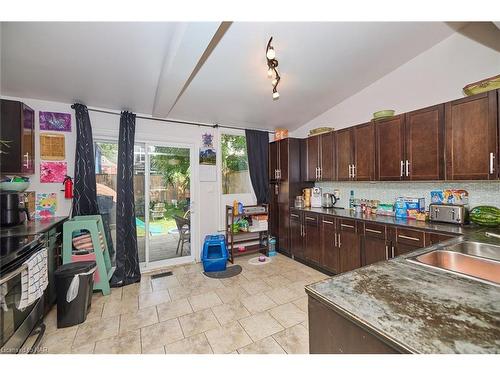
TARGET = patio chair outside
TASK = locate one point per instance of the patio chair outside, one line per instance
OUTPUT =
(183, 226)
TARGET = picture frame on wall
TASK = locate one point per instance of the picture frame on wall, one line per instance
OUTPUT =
(55, 121)
(52, 146)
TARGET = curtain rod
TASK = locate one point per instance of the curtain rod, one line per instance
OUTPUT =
(193, 123)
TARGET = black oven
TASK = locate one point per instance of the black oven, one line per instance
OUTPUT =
(16, 325)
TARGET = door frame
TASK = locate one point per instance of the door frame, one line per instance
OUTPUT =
(194, 227)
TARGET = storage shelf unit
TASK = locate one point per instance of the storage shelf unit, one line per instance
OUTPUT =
(238, 238)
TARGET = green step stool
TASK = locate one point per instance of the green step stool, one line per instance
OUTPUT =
(93, 224)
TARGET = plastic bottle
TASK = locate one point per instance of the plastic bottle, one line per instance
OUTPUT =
(351, 200)
(235, 207)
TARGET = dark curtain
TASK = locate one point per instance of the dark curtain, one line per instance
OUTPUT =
(258, 154)
(127, 257)
(85, 187)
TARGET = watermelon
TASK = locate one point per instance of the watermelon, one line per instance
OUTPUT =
(488, 216)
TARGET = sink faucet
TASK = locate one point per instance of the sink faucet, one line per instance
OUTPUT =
(489, 234)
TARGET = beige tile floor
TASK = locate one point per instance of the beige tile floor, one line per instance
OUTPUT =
(262, 310)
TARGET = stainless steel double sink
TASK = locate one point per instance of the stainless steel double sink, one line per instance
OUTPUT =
(471, 259)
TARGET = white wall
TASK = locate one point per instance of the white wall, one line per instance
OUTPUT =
(435, 76)
(204, 194)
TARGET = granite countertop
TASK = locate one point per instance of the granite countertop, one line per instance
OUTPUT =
(32, 227)
(418, 309)
(391, 220)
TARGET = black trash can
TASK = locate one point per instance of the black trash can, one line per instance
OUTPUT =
(74, 294)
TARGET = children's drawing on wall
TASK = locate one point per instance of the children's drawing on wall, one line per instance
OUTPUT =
(46, 205)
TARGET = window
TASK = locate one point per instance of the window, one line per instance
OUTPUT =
(235, 175)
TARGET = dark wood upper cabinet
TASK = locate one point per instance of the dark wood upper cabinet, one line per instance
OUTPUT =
(320, 165)
(364, 153)
(389, 136)
(424, 144)
(273, 160)
(284, 144)
(327, 156)
(17, 128)
(313, 145)
(472, 137)
(344, 146)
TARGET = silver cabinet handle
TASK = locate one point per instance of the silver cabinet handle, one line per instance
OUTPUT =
(373, 230)
(347, 226)
(402, 167)
(340, 244)
(310, 218)
(276, 189)
(492, 157)
(294, 215)
(335, 239)
(407, 167)
(279, 174)
(353, 170)
(320, 173)
(392, 251)
(387, 252)
(350, 171)
(327, 222)
(408, 237)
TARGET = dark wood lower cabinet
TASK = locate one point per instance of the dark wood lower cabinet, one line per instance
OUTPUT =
(348, 243)
(296, 235)
(312, 243)
(374, 250)
(329, 251)
(332, 333)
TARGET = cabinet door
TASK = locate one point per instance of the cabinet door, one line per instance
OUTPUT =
(374, 250)
(312, 239)
(273, 160)
(364, 152)
(296, 239)
(389, 145)
(435, 238)
(349, 250)
(312, 157)
(327, 155)
(329, 249)
(10, 129)
(403, 248)
(283, 159)
(344, 153)
(274, 211)
(472, 138)
(284, 227)
(28, 140)
(424, 137)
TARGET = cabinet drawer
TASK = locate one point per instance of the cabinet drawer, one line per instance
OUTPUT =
(311, 219)
(328, 220)
(295, 216)
(410, 237)
(347, 225)
(435, 238)
(374, 230)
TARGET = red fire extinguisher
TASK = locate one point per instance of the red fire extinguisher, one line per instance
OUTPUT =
(68, 187)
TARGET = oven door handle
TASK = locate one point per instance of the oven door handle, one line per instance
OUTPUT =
(13, 274)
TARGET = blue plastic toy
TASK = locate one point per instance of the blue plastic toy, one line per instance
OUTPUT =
(214, 256)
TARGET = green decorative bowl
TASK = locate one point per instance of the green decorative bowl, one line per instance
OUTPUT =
(383, 114)
(14, 186)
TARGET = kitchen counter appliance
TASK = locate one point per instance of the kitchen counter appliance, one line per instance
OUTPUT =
(329, 200)
(316, 197)
(12, 209)
(448, 213)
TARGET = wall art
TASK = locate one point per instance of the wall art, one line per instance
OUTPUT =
(52, 146)
(208, 155)
(55, 121)
(46, 205)
(53, 171)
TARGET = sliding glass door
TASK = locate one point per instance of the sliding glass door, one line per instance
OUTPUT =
(162, 183)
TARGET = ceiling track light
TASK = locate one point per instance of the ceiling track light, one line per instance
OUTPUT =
(272, 71)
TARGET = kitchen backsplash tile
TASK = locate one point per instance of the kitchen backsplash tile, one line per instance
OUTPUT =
(480, 193)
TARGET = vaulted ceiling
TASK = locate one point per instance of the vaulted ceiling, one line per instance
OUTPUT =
(207, 71)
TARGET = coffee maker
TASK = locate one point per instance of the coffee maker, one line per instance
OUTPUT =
(12, 209)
